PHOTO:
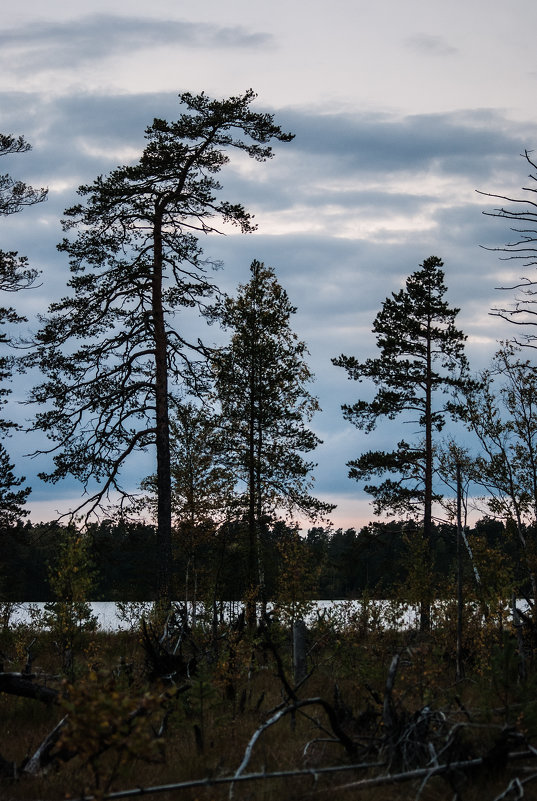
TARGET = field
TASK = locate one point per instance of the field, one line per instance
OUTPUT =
(355, 708)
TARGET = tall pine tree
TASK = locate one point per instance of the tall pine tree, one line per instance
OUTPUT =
(262, 388)
(15, 274)
(421, 358)
(135, 262)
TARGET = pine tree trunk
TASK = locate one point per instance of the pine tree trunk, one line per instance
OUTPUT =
(259, 514)
(425, 605)
(164, 506)
(251, 616)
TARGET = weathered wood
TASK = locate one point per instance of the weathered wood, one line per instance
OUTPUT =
(42, 759)
(388, 711)
(300, 667)
(393, 778)
(245, 777)
(343, 738)
(22, 684)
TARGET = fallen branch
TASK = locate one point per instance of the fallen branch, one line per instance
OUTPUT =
(21, 684)
(421, 773)
(289, 774)
(313, 772)
(42, 759)
(517, 785)
(343, 738)
(245, 777)
(407, 776)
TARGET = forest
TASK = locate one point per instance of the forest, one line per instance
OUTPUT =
(189, 701)
(334, 564)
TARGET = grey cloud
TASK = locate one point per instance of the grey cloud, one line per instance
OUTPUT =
(67, 44)
(81, 134)
(484, 142)
(455, 142)
(430, 44)
(471, 144)
(338, 283)
(478, 146)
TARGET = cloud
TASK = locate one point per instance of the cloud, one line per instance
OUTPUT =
(355, 159)
(346, 212)
(376, 190)
(428, 44)
(59, 45)
(456, 142)
(354, 201)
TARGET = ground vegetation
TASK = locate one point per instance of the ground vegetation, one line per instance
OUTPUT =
(221, 714)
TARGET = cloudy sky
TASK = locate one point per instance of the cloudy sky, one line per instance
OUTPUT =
(400, 110)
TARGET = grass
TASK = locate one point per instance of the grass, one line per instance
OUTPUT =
(125, 731)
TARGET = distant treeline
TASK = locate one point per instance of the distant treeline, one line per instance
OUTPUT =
(376, 560)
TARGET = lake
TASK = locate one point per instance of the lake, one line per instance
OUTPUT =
(372, 614)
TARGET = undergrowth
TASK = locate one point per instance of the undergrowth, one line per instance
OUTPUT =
(166, 703)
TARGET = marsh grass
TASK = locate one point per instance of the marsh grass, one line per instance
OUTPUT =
(210, 719)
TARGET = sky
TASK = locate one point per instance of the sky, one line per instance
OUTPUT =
(400, 110)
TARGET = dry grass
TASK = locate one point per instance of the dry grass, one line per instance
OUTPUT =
(209, 724)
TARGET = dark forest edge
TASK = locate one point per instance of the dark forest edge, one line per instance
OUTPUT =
(119, 560)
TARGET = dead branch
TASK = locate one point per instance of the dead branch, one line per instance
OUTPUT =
(406, 776)
(342, 737)
(163, 660)
(42, 759)
(516, 785)
(22, 684)
(245, 777)
(255, 737)
(388, 711)
(394, 778)
(486, 762)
